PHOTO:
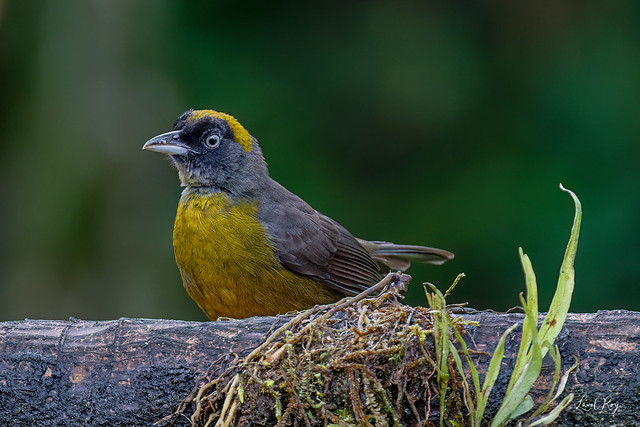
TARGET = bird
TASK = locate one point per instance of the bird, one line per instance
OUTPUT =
(245, 245)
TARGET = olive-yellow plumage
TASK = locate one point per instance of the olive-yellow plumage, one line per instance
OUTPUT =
(245, 245)
(222, 264)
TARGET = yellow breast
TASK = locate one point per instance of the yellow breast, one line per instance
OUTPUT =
(228, 265)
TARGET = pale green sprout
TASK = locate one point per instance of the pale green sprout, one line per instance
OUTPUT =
(534, 345)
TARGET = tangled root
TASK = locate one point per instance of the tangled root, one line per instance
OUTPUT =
(361, 361)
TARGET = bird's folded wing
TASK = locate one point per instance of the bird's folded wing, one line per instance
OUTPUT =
(316, 246)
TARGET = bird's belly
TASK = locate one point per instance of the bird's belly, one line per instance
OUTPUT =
(229, 266)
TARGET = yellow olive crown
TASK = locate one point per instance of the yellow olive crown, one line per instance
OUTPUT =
(240, 134)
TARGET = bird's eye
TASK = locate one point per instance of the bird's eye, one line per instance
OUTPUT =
(212, 141)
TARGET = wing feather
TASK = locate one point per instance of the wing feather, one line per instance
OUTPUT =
(314, 245)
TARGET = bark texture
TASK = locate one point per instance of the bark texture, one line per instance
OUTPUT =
(135, 371)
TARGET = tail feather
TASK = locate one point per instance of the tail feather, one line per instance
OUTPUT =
(399, 257)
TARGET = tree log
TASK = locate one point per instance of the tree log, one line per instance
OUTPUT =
(136, 371)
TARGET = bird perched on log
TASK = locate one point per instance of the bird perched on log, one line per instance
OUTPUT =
(245, 245)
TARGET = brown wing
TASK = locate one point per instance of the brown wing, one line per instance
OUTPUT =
(316, 246)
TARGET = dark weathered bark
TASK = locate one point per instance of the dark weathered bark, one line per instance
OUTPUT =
(606, 383)
(135, 371)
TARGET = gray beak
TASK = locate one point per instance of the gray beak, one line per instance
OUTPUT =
(167, 143)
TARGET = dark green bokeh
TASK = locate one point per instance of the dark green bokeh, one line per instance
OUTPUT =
(442, 124)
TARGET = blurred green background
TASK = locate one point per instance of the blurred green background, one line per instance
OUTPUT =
(448, 124)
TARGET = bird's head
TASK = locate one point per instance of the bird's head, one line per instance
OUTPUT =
(212, 149)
